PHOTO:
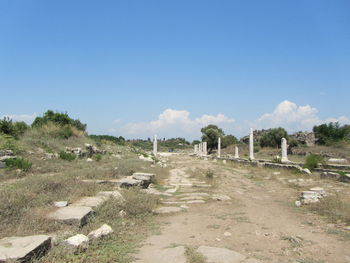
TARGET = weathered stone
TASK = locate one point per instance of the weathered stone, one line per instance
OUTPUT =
(310, 197)
(91, 201)
(104, 230)
(155, 146)
(128, 182)
(284, 148)
(227, 234)
(2, 164)
(220, 197)
(236, 153)
(89, 160)
(195, 195)
(196, 202)
(114, 194)
(325, 175)
(251, 144)
(77, 241)
(60, 204)
(219, 147)
(168, 255)
(6, 157)
(145, 178)
(345, 178)
(167, 210)
(220, 255)
(24, 248)
(338, 160)
(72, 215)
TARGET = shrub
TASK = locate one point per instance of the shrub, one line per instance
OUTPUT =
(61, 119)
(209, 174)
(312, 161)
(14, 129)
(331, 133)
(18, 163)
(277, 159)
(67, 156)
(8, 142)
(98, 157)
(273, 137)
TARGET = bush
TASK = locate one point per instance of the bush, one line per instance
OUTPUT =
(13, 129)
(331, 133)
(209, 174)
(98, 157)
(138, 203)
(312, 161)
(273, 138)
(61, 119)
(18, 163)
(67, 156)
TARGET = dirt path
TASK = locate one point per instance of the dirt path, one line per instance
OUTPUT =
(259, 221)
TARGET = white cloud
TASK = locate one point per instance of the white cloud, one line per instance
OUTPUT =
(175, 123)
(27, 118)
(292, 117)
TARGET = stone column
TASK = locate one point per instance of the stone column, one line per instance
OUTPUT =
(236, 153)
(195, 149)
(219, 147)
(155, 146)
(251, 144)
(200, 149)
(205, 150)
(284, 148)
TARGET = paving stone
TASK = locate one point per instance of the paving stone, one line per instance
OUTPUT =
(115, 194)
(168, 255)
(167, 210)
(221, 255)
(104, 230)
(128, 182)
(24, 248)
(189, 198)
(220, 197)
(60, 203)
(72, 215)
(77, 241)
(196, 202)
(91, 201)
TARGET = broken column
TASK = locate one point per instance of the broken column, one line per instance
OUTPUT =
(219, 147)
(284, 151)
(236, 153)
(251, 144)
(155, 146)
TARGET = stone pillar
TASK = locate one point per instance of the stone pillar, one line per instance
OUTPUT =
(251, 144)
(155, 146)
(200, 149)
(195, 149)
(236, 153)
(219, 147)
(205, 150)
(284, 148)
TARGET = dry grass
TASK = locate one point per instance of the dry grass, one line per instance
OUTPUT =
(23, 204)
(334, 208)
(193, 256)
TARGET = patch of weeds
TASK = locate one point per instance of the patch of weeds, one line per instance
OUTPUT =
(308, 260)
(18, 163)
(161, 188)
(193, 256)
(334, 207)
(276, 160)
(97, 157)
(296, 242)
(67, 156)
(312, 161)
(138, 203)
(344, 235)
(209, 174)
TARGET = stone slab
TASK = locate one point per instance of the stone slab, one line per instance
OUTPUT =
(165, 255)
(221, 255)
(128, 182)
(167, 210)
(72, 215)
(91, 201)
(115, 194)
(24, 248)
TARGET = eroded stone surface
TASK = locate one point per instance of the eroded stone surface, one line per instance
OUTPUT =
(91, 201)
(167, 210)
(23, 248)
(72, 215)
(223, 255)
(166, 255)
(77, 241)
(104, 230)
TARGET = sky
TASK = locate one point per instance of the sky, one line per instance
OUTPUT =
(136, 68)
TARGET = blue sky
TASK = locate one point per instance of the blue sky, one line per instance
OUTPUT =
(135, 68)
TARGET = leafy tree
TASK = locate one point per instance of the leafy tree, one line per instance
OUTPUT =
(211, 134)
(331, 132)
(14, 129)
(228, 140)
(273, 137)
(117, 140)
(196, 142)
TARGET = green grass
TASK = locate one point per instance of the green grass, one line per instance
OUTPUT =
(67, 156)
(18, 163)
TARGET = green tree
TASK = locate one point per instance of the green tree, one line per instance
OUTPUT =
(228, 140)
(273, 137)
(331, 132)
(211, 134)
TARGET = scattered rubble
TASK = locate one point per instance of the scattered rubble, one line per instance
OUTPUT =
(103, 231)
(77, 241)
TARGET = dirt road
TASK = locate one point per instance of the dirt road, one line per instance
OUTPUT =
(246, 210)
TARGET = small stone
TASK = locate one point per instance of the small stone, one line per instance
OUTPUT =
(220, 197)
(89, 160)
(227, 234)
(122, 213)
(276, 173)
(224, 161)
(297, 203)
(77, 241)
(306, 170)
(104, 230)
(60, 204)
(184, 206)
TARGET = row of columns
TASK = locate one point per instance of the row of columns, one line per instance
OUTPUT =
(201, 150)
